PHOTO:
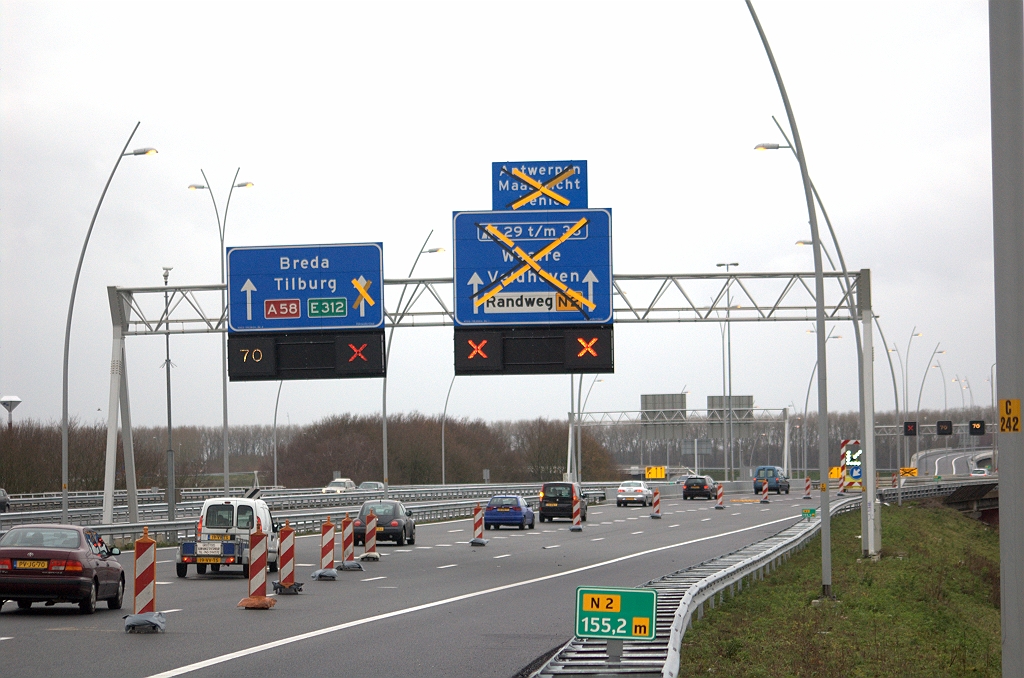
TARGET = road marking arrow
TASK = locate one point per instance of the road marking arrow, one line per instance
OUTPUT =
(248, 288)
(476, 281)
(590, 279)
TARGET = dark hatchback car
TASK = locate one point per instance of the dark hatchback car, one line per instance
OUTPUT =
(774, 476)
(59, 564)
(556, 501)
(700, 486)
(510, 510)
(394, 522)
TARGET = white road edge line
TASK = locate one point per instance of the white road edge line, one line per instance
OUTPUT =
(373, 579)
(445, 567)
(507, 555)
(213, 661)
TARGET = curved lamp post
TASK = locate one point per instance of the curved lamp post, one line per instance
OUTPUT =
(807, 398)
(819, 301)
(917, 415)
(67, 330)
(277, 402)
(728, 326)
(222, 226)
(444, 417)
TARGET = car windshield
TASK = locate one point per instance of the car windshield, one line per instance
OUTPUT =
(630, 484)
(368, 486)
(503, 501)
(695, 481)
(557, 491)
(379, 510)
(220, 515)
(336, 483)
(765, 473)
(42, 537)
(245, 521)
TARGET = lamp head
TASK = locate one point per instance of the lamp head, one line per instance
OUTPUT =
(196, 187)
(143, 151)
(433, 250)
(244, 184)
(766, 147)
(804, 242)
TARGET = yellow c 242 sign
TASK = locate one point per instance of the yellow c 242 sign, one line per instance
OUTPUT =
(1009, 415)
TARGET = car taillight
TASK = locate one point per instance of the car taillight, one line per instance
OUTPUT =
(359, 523)
(231, 560)
(65, 566)
(621, 490)
(394, 523)
(5, 564)
(517, 508)
(705, 487)
(542, 494)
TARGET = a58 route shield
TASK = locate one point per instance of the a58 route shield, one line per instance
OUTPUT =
(533, 268)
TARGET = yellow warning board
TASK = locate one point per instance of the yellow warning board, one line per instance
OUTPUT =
(654, 473)
(834, 473)
(1009, 415)
(908, 472)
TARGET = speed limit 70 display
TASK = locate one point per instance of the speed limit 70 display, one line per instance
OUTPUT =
(251, 357)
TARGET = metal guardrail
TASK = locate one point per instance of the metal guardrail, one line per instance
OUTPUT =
(682, 595)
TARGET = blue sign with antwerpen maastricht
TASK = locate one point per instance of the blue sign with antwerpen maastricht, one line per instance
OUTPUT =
(305, 287)
(533, 268)
(539, 185)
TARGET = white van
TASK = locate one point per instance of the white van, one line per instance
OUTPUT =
(223, 536)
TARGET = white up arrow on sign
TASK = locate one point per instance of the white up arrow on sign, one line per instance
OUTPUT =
(476, 282)
(248, 288)
(590, 279)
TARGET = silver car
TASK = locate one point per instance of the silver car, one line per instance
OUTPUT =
(339, 485)
(634, 491)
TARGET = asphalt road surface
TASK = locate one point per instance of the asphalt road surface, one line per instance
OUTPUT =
(439, 608)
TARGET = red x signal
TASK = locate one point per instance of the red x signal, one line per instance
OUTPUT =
(588, 347)
(357, 352)
(478, 349)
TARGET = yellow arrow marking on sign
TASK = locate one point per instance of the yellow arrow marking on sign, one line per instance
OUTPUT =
(531, 263)
(542, 188)
(362, 292)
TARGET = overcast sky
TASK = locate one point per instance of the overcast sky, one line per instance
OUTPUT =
(375, 121)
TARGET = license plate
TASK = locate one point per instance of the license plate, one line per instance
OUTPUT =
(380, 529)
(30, 564)
(220, 537)
(208, 560)
(207, 549)
(553, 503)
(506, 510)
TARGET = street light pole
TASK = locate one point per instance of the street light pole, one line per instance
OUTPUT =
(277, 402)
(171, 504)
(920, 391)
(222, 227)
(67, 333)
(819, 299)
(728, 330)
(444, 417)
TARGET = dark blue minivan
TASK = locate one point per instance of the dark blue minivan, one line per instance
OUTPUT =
(775, 478)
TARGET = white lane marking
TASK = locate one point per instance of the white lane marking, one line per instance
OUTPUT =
(691, 510)
(704, 520)
(673, 504)
(703, 509)
(507, 555)
(387, 587)
(164, 583)
(7, 638)
(424, 547)
(442, 544)
(620, 521)
(673, 525)
(214, 661)
(501, 537)
(445, 567)
(637, 532)
(403, 550)
(271, 595)
(373, 578)
(161, 562)
(631, 519)
(597, 513)
(304, 565)
(735, 514)
(548, 530)
(563, 529)
(636, 508)
(763, 510)
(462, 542)
(598, 539)
(552, 546)
(458, 530)
(173, 609)
(606, 522)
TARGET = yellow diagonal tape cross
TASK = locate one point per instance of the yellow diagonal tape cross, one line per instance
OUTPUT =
(530, 262)
(362, 292)
(540, 188)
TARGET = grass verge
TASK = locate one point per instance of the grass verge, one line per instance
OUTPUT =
(929, 607)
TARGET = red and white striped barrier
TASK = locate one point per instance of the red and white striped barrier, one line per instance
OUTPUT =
(842, 476)
(721, 497)
(807, 488)
(656, 513)
(478, 527)
(895, 480)
(286, 580)
(576, 524)
(764, 492)
(370, 538)
(257, 599)
(145, 574)
(327, 545)
(348, 549)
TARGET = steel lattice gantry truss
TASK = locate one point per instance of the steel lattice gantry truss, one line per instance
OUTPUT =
(671, 298)
(428, 302)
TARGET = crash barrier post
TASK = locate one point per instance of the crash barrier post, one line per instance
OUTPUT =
(478, 527)
(327, 545)
(721, 497)
(577, 526)
(286, 555)
(807, 488)
(656, 512)
(145, 574)
(764, 492)
(257, 599)
(348, 550)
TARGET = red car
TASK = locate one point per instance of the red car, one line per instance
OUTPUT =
(59, 564)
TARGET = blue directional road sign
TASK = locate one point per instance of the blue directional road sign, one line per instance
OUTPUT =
(305, 287)
(533, 268)
(539, 185)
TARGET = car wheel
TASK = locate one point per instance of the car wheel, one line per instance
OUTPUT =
(215, 568)
(412, 537)
(522, 523)
(245, 571)
(400, 541)
(787, 490)
(201, 569)
(24, 604)
(583, 518)
(533, 523)
(181, 569)
(273, 566)
(88, 604)
(115, 602)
